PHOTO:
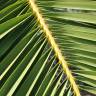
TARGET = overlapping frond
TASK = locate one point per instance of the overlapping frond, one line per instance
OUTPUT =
(72, 24)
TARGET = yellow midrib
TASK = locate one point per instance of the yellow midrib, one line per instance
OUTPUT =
(55, 47)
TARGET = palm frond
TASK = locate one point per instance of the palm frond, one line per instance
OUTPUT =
(47, 47)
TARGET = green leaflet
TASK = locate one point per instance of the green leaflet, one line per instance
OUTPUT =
(11, 24)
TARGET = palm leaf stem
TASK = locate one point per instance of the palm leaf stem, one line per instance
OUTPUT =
(51, 40)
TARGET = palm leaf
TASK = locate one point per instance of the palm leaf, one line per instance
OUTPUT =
(47, 48)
